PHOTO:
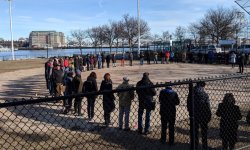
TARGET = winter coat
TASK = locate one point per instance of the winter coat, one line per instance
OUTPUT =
(69, 86)
(126, 97)
(202, 111)
(90, 85)
(230, 114)
(145, 95)
(108, 98)
(108, 58)
(77, 83)
(57, 76)
(168, 100)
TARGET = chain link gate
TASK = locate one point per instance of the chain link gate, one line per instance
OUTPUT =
(40, 123)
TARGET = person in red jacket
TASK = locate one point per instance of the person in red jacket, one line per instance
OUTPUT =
(167, 54)
(66, 62)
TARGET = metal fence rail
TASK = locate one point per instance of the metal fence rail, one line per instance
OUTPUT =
(40, 123)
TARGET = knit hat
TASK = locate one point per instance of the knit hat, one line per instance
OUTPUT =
(125, 79)
(145, 74)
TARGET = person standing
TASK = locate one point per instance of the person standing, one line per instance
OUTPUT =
(90, 85)
(167, 54)
(57, 76)
(145, 97)
(131, 58)
(108, 98)
(87, 58)
(125, 99)
(103, 59)
(123, 59)
(114, 60)
(77, 82)
(108, 60)
(233, 59)
(141, 58)
(162, 56)
(168, 100)
(199, 108)
(99, 59)
(230, 114)
(155, 57)
(69, 88)
(241, 61)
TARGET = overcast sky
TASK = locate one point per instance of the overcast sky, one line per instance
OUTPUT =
(67, 15)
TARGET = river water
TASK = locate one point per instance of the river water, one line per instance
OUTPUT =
(30, 54)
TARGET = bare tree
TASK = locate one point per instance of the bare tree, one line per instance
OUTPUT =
(118, 33)
(194, 32)
(79, 36)
(93, 35)
(166, 35)
(180, 33)
(101, 36)
(220, 23)
(109, 34)
(131, 29)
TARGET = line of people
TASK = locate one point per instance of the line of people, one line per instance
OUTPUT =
(199, 110)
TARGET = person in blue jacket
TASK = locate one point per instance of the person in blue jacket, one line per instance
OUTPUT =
(168, 100)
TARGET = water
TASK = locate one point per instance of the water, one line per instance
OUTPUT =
(31, 54)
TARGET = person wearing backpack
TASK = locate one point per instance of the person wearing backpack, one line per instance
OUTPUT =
(90, 85)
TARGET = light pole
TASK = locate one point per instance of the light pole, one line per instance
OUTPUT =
(139, 26)
(12, 45)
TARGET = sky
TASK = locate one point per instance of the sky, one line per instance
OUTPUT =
(67, 15)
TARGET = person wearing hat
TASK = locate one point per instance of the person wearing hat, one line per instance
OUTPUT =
(168, 100)
(145, 96)
(125, 99)
(200, 115)
(57, 76)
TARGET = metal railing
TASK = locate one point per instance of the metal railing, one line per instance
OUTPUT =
(41, 124)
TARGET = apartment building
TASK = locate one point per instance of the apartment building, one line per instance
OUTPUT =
(40, 39)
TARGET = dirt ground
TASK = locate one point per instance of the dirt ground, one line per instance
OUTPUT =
(43, 126)
(16, 75)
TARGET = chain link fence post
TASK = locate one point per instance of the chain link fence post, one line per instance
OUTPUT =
(191, 116)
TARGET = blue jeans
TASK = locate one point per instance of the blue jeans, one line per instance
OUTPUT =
(147, 119)
(124, 110)
(141, 61)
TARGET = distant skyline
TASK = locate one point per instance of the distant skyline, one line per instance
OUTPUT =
(67, 15)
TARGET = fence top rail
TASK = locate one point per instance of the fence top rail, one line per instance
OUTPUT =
(24, 101)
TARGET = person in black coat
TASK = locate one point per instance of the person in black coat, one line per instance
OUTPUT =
(241, 62)
(230, 114)
(108, 60)
(77, 86)
(69, 88)
(199, 110)
(168, 100)
(145, 97)
(90, 85)
(108, 98)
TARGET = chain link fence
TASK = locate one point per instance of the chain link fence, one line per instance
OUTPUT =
(41, 124)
